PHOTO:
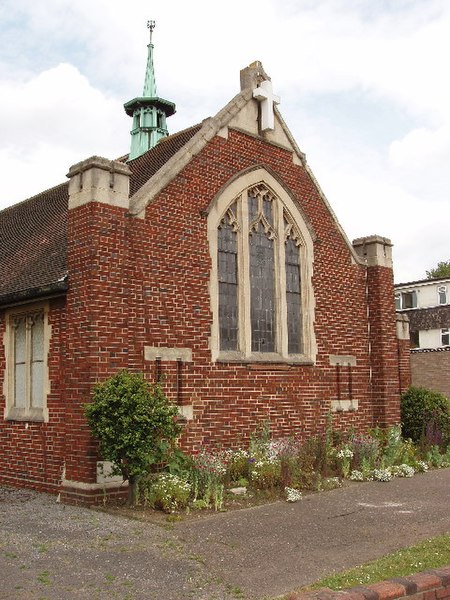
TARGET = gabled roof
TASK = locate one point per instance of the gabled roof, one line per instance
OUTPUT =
(33, 233)
(33, 252)
(145, 166)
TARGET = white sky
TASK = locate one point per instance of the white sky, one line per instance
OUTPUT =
(364, 88)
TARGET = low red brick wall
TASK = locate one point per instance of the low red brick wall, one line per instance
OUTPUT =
(430, 585)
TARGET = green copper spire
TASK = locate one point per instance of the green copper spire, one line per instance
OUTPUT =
(149, 112)
(150, 81)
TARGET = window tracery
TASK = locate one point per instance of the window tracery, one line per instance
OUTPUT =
(261, 287)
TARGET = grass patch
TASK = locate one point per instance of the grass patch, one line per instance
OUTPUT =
(44, 577)
(430, 554)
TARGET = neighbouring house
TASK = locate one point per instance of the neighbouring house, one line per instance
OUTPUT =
(210, 260)
(427, 306)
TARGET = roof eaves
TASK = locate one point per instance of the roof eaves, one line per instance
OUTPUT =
(36, 293)
(427, 281)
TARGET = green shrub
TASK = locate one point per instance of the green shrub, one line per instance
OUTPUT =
(425, 416)
(134, 423)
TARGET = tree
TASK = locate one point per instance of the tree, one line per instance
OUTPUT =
(441, 270)
(133, 422)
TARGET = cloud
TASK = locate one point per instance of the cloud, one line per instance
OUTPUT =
(362, 86)
(422, 148)
(51, 121)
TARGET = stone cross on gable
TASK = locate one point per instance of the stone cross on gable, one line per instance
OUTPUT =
(265, 96)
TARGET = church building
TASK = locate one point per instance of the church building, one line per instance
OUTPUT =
(209, 260)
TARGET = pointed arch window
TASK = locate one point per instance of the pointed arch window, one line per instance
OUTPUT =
(261, 279)
(228, 279)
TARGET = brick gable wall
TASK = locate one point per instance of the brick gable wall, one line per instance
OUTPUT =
(135, 283)
(173, 309)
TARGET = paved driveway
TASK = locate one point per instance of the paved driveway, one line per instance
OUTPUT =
(51, 551)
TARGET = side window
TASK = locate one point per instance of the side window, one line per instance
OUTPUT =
(409, 299)
(445, 337)
(26, 364)
(442, 294)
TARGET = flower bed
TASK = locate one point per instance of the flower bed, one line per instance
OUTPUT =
(269, 468)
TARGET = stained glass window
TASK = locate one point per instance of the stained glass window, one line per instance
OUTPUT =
(262, 275)
(259, 278)
(293, 297)
(228, 283)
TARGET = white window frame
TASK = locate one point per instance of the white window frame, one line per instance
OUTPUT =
(442, 289)
(445, 334)
(414, 295)
(27, 412)
(237, 189)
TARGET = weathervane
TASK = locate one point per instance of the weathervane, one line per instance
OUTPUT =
(151, 25)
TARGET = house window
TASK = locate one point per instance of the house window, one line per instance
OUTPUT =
(409, 299)
(261, 250)
(415, 339)
(445, 337)
(26, 365)
(398, 301)
(442, 294)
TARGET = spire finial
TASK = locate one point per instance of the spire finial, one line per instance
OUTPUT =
(151, 25)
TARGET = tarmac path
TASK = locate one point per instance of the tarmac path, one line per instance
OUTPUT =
(49, 551)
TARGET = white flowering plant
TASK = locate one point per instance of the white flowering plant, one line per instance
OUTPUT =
(344, 456)
(356, 475)
(382, 475)
(265, 473)
(403, 470)
(422, 466)
(166, 492)
(292, 495)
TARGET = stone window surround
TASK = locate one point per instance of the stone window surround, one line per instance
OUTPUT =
(235, 189)
(28, 413)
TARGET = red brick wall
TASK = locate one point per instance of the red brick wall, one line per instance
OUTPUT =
(97, 340)
(173, 309)
(384, 346)
(404, 364)
(145, 282)
(431, 369)
(431, 585)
